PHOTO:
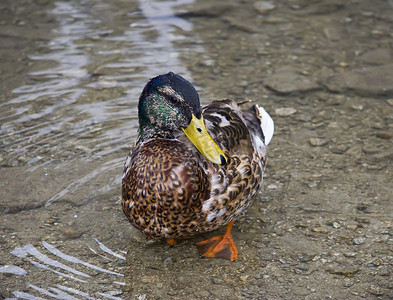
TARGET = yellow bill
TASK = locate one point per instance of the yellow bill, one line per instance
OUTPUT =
(198, 135)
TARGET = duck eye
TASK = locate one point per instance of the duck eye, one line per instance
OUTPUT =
(173, 99)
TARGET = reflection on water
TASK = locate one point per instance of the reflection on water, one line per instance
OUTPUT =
(69, 127)
(66, 109)
(57, 113)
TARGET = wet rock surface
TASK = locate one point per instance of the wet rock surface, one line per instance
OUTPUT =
(369, 81)
(286, 80)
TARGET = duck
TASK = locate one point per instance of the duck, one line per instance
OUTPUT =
(193, 169)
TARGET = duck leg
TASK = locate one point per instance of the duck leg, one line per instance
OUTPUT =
(221, 246)
(174, 242)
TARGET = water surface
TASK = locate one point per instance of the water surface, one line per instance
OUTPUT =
(65, 131)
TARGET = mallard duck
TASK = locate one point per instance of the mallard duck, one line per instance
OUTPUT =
(193, 169)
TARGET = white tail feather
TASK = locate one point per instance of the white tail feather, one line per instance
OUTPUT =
(267, 125)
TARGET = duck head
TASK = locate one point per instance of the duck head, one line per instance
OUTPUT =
(169, 103)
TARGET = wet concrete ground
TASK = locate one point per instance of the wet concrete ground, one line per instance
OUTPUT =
(322, 227)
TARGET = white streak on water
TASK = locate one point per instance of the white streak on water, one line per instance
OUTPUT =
(104, 257)
(75, 291)
(59, 294)
(23, 295)
(109, 251)
(41, 266)
(13, 270)
(61, 291)
(30, 249)
(76, 260)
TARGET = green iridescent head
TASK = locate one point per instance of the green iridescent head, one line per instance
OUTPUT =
(166, 104)
(170, 103)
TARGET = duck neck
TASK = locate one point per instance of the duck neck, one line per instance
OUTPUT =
(149, 131)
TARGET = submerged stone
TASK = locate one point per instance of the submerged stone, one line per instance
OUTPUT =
(287, 80)
(371, 81)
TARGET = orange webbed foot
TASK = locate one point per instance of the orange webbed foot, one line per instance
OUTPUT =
(221, 246)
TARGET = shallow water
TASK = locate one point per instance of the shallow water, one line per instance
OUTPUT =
(67, 120)
(71, 75)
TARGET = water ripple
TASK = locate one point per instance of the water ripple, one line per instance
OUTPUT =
(65, 132)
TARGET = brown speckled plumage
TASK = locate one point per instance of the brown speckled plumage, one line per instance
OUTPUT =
(170, 190)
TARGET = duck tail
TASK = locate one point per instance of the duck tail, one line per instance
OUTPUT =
(267, 124)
